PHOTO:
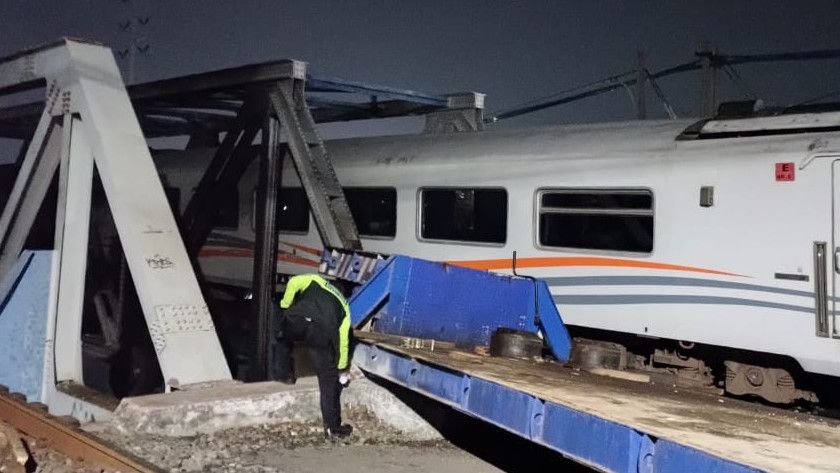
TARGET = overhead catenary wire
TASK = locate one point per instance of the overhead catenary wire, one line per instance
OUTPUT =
(780, 57)
(612, 83)
(576, 88)
(630, 93)
(739, 82)
(819, 98)
(661, 96)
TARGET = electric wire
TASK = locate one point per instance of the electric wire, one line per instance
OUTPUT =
(739, 82)
(661, 96)
(609, 84)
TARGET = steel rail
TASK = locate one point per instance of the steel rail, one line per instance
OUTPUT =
(32, 420)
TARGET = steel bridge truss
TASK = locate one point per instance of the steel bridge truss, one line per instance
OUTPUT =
(88, 125)
(263, 100)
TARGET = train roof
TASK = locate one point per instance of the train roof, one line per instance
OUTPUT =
(650, 135)
(661, 132)
(647, 138)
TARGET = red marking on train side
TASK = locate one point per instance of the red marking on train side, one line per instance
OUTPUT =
(785, 172)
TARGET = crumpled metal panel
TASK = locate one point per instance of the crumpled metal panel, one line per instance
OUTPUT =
(424, 299)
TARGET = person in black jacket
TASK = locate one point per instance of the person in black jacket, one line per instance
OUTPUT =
(316, 313)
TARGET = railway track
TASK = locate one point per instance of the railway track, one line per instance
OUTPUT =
(64, 436)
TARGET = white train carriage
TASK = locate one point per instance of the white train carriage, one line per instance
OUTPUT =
(721, 234)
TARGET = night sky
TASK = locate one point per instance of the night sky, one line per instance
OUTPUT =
(512, 50)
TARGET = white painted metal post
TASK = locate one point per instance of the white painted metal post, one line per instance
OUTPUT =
(83, 80)
(177, 316)
(74, 204)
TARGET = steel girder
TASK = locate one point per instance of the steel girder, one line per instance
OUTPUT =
(88, 122)
(207, 101)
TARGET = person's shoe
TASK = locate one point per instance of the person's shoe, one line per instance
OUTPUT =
(340, 432)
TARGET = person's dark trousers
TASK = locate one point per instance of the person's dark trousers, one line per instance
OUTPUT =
(282, 367)
(281, 362)
(323, 358)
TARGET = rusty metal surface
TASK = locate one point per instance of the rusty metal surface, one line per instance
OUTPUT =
(65, 437)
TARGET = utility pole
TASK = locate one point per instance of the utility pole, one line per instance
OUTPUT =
(708, 79)
(641, 79)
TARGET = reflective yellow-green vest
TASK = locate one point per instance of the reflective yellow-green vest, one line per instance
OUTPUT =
(298, 284)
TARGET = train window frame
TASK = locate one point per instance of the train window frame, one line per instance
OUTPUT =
(279, 231)
(393, 189)
(419, 217)
(538, 197)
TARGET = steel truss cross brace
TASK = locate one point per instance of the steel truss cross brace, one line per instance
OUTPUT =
(221, 177)
(88, 122)
(326, 197)
(279, 95)
(272, 105)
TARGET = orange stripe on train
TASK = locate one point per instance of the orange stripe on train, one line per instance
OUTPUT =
(283, 256)
(558, 261)
(288, 258)
(226, 251)
(305, 249)
(489, 264)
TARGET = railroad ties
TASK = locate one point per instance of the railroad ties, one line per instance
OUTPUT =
(20, 420)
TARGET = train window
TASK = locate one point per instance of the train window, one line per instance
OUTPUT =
(597, 219)
(374, 210)
(464, 214)
(292, 210)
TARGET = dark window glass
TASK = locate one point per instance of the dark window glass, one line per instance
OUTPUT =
(597, 200)
(292, 210)
(228, 216)
(478, 215)
(597, 220)
(374, 210)
(597, 232)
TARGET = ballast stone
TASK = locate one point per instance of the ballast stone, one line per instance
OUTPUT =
(236, 405)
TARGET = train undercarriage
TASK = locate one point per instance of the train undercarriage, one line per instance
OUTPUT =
(687, 365)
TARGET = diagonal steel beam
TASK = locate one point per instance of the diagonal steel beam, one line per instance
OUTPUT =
(221, 176)
(31, 186)
(75, 188)
(326, 197)
(176, 313)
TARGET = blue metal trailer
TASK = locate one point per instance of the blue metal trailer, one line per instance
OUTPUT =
(610, 424)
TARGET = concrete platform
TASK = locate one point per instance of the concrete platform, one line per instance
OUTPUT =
(234, 405)
(647, 427)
